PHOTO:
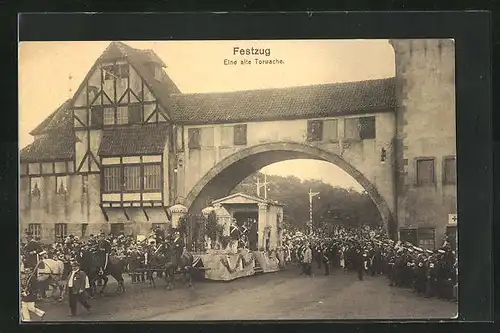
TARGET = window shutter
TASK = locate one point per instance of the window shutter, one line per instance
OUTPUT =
(425, 172)
(315, 130)
(450, 170)
(330, 129)
(240, 134)
(367, 128)
(194, 138)
(352, 128)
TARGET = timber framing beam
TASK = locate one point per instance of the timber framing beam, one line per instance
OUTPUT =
(104, 212)
(145, 213)
(125, 212)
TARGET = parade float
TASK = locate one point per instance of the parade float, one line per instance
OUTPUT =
(238, 235)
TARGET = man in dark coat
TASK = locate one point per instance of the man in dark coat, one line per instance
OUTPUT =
(78, 283)
(104, 249)
(326, 260)
(32, 250)
(432, 271)
(359, 261)
(29, 295)
(178, 245)
(159, 235)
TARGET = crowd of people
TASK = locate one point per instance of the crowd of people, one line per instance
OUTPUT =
(430, 273)
(34, 255)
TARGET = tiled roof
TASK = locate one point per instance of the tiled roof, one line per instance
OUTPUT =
(139, 59)
(284, 103)
(62, 118)
(56, 145)
(134, 140)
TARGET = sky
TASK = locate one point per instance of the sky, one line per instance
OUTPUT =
(45, 69)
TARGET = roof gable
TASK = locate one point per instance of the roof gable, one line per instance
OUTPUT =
(139, 59)
(242, 198)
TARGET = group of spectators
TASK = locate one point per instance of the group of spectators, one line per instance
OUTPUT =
(428, 272)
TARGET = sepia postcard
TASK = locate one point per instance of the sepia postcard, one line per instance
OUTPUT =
(171, 180)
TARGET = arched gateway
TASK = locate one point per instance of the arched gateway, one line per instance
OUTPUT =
(226, 174)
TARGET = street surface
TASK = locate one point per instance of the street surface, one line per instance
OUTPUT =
(284, 295)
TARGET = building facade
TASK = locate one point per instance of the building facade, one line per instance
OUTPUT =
(425, 142)
(129, 144)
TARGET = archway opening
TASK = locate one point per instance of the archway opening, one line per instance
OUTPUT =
(223, 178)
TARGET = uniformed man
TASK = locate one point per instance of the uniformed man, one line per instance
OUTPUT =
(104, 249)
(29, 295)
(178, 245)
(326, 259)
(359, 263)
(431, 275)
(159, 234)
(32, 250)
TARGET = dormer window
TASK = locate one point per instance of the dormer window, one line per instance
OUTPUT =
(112, 72)
(158, 72)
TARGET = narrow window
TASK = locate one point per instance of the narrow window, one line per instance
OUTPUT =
(35, 229)
(315, 130)
(194, 138)
(425, 172)
(240, 135)
(61, 185)
(109, 116)
(112, 181)
(61, 232)
(35, 184)
(132, 178)
(152, 177)
(122, 115)
(450, 170)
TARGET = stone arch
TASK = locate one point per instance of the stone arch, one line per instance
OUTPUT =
(248, 160)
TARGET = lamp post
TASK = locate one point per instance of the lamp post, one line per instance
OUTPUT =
(311, 196)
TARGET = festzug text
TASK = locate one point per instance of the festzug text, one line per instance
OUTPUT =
(251, 51)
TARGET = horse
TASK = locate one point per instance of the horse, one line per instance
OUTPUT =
(52, 273)
(92, 261)
(183, 264)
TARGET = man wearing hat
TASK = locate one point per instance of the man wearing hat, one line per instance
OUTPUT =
(32, 250)
(178, 245)
(104, 249)
(307, 259)
(78, 282)
(29, 295)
